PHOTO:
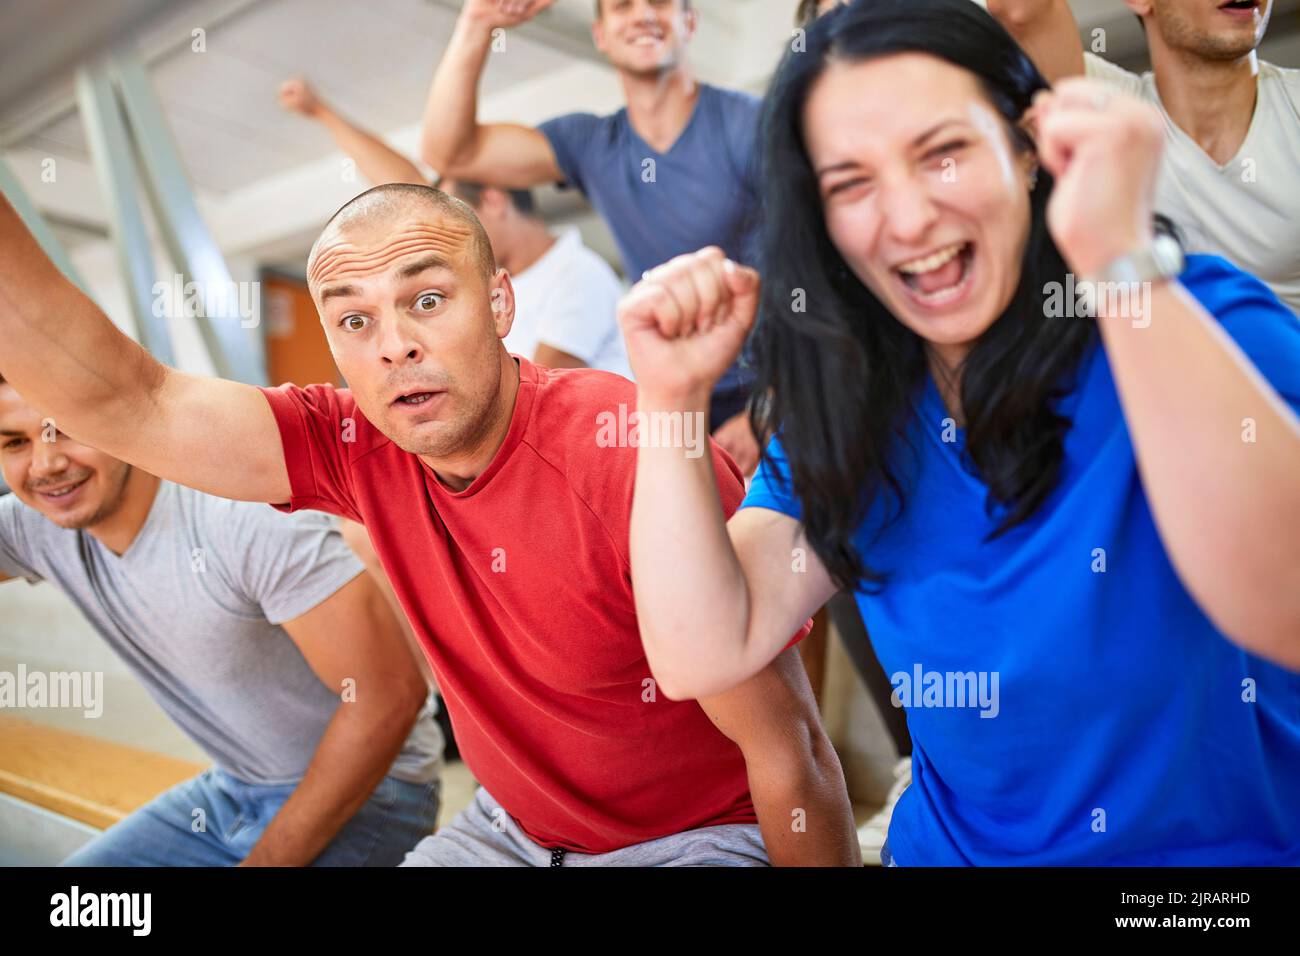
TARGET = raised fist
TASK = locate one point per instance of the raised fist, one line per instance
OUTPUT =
(298, 97)
(1103, 148)
(686, 321)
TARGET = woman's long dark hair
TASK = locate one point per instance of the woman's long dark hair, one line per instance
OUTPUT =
(839, 380)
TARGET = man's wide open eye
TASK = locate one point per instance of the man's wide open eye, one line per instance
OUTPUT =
(353, 323)
(429, 301)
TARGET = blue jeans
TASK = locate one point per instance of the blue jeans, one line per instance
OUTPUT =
(214, 819)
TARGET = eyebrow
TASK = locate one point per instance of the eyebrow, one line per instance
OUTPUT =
(917, 141)
(424, 264)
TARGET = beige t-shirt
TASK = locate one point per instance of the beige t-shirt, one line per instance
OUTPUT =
(1247, 210)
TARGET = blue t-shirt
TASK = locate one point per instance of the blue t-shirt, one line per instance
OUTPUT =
(1105, 720)
(702, 192)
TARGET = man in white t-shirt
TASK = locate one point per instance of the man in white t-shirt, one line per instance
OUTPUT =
(566, 296)
(1231, 174)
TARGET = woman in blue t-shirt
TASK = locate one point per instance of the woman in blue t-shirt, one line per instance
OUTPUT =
(1058, 463)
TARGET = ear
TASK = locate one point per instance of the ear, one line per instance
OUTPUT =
(598, 34)
(503, 303)
(691, 18)
(1141, 7)
(492, 203)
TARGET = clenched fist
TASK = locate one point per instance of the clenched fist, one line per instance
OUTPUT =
(502, 13)
(1104, 149)
(685, 322)
(296, 95)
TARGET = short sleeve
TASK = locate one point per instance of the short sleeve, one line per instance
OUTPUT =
(316, 424)
(570, 137)
(582, 319)
(286, 564)
(1262, 326)
(15, 548)
(771, 487)
(1116, 76)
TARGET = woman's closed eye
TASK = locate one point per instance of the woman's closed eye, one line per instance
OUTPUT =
(844, 185)
(945, 151)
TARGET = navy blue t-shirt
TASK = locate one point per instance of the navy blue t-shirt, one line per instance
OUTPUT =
(703, 191)
(1068, 701)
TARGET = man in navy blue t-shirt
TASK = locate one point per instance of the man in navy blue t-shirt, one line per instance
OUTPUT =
(671, 172)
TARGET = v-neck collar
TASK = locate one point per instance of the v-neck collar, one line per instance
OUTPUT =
(1235, 160)
(519, 418)
(155, 507)
(695, 113)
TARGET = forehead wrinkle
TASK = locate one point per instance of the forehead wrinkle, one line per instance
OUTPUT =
(343, 258)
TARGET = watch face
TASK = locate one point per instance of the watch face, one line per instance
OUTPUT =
(1168, 255)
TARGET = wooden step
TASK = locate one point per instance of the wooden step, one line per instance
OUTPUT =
(89, 779)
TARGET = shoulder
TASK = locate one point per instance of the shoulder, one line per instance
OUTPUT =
(24, 526)
(1281, 78)
(1252, 315)
(734, 102)
(579, 427)
(246, 528)
(1098, 68)
(738, 111)
(579, 125)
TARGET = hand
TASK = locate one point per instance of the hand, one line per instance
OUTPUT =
(737, 440)
(1103, 148)
(298, 97)
(685, 323)
(502, 13)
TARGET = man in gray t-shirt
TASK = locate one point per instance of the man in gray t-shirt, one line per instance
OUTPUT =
(250, 628)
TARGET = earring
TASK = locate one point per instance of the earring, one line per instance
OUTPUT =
(1033, 179)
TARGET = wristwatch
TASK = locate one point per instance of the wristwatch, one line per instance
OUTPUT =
(1162, 259)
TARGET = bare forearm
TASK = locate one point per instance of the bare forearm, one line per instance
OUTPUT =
(689, 581)
(378, 161)
(451, 114)
(805, 815)
(59, 350)
(353, 756)
(1219, 454)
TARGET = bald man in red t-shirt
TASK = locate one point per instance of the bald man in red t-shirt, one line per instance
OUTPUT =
(497, 495)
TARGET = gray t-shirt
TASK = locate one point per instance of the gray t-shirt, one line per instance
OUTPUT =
(194, 606)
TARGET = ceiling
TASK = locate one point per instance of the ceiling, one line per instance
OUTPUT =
(373, 60)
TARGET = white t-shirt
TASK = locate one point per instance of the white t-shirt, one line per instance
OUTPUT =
(568, 299)
(1247, 210)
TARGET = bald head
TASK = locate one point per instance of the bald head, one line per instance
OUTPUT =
(395, 203)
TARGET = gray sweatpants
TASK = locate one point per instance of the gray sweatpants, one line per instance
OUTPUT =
(485, 835)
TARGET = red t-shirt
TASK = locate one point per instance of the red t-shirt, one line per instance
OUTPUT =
(519, 588)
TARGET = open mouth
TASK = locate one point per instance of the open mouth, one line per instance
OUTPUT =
(63, 492)
(646, 39)
(1239, 6)
(416, 400)
(940, 278)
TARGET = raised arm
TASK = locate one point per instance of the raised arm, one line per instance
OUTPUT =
(1047, 31)
(1227, 508)
(452, 140)
(716, 602)
(65, 357)
(378, 161)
